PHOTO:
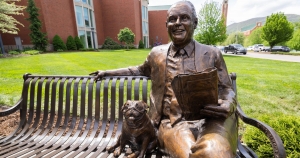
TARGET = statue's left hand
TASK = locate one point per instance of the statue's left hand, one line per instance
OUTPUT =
(223, 110)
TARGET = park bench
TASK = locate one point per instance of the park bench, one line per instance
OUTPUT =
(74, 116)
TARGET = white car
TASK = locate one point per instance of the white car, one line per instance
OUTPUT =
(258, 47)
(250, 48)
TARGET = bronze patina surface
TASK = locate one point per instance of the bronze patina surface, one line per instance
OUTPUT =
(182, 134)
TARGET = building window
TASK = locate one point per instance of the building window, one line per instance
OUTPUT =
(89, 39)
(146, 13)
(84, 12)
(79, 16)
(81, 35)
(145, 24)
(91, 18)
(86, 17)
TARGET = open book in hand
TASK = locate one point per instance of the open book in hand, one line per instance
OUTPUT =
(194, 91)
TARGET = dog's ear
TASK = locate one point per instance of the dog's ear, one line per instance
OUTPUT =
(125, 105)
(145, 105)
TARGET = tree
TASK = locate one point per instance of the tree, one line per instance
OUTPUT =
(109, 43)
(71, 45)
(38, 38)
(141, 44)
(297, 25)
(255, 37)
(78, 43)
(294, 43)
(277, 29)
(211, 25)
(127, 36)
(8, 23)
(58, 43)
(236, 37)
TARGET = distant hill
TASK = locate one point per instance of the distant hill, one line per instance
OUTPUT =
(252, 22)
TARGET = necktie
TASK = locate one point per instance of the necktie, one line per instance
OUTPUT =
(181, 52)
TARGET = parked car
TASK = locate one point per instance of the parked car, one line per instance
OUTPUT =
(258, 47)
(250, 47)
(279, 49)
(266, 48)
(235, 49)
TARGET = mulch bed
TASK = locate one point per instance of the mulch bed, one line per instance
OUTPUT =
(9, 123)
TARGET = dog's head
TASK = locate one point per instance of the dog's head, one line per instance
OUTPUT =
(134, 110)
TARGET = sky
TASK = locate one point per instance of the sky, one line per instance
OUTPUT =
(241, 10)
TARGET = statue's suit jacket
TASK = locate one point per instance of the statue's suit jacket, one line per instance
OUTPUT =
(155, 68)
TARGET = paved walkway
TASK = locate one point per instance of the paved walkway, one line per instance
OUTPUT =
(262, 55)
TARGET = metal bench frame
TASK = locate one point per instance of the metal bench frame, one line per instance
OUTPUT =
(50, 106)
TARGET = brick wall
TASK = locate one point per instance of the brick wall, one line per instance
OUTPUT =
(59, 18)
(99, 21)
(118, 14)
(157, 27)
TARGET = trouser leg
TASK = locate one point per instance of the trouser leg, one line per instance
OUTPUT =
(176, 141)
(217, 138)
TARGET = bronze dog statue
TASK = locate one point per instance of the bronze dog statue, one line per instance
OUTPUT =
(137, 131)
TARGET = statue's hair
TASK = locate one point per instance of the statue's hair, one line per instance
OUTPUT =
(190, 4)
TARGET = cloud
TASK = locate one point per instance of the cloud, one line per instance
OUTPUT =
(243, 10)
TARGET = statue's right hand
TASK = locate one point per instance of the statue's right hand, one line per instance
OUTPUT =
(98, 74)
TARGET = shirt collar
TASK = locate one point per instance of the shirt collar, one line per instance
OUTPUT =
(188, 49)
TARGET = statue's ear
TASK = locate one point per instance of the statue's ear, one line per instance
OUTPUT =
(145, 105)
(195, 23)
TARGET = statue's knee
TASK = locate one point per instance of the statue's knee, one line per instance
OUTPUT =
(211, 145)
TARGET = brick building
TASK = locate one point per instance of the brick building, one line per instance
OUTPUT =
(157, 25)
(92, 21)
(249, 29)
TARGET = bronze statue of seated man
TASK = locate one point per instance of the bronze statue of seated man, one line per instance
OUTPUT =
(205, 132)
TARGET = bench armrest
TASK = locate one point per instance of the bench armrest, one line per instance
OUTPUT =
(11, 109)
(276, 142)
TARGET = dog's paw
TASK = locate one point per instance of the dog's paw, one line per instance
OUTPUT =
(117, 152)
(110, 149)
(133, 155)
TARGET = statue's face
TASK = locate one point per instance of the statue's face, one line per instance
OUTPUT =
(181, 24)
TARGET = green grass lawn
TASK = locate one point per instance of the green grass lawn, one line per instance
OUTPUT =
(264, 86)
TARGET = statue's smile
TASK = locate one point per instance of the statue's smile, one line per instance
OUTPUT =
(178, 31)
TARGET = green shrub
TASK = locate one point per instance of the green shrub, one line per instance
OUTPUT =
(110, 44)
(83, 49)
(1, 55)
(18, 50)
(78, 43)
(27, 48)
(130, 46)
(90, 49)
(58, 43)
(32, 52)
(141, 44)
(13, 52)
(60, 50)
(286, 126)
(71, 45)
